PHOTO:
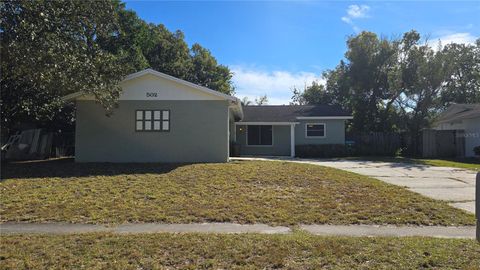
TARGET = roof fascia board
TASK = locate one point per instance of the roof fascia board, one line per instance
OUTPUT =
(324, 117)
(266, 123)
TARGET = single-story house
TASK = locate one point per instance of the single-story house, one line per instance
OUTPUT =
(464, 119)
(161, 118)
(276, 130)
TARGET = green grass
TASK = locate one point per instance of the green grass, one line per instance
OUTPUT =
(463, 163)
(276, 193)
(471, 164)
(250, 251)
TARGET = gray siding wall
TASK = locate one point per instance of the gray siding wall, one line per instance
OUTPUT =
(280, 147)
(231, 126)
(472, 135)
(198, 133)
(335, 132)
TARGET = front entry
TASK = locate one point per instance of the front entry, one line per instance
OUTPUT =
(264, 139)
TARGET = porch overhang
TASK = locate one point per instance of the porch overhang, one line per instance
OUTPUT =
(266, 123)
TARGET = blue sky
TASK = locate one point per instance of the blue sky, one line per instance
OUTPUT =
(272, 46)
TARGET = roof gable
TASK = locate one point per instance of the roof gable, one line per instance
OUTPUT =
(170, 85)
(457, 112)
(149, 84)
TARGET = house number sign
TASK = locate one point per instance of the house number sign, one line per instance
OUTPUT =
(152, 94)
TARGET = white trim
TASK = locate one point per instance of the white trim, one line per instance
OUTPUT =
(228, 133)
(164, 76)
(316, 137)
(292, 140)
(266, 123)
(324, 117)
(257, 145)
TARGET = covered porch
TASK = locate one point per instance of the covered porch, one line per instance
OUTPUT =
(264, 138)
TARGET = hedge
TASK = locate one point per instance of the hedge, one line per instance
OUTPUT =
(321, 150)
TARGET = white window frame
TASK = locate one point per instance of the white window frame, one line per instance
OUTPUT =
(316, 137)
(152, 120)
(258, 145)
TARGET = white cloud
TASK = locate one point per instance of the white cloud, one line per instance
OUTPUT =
(356, 12)
(466, 38)
(252, 82)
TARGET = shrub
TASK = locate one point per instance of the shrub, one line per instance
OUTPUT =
(476, 150)
(321, 150)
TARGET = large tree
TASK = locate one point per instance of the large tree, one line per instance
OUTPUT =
(397, 84)
(50, 49)
(463, 84)
(53, 48)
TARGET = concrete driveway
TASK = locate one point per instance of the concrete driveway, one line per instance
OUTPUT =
(457, 186)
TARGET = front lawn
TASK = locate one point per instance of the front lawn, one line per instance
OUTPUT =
(246, 251)
(466, 163)
(277, 193)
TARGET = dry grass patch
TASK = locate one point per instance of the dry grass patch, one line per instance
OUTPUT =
(250, 251)
(277, 193)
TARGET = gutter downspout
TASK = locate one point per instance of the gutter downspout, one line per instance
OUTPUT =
(292, 140)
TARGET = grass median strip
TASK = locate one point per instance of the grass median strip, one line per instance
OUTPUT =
(246, 251)
(274, 193)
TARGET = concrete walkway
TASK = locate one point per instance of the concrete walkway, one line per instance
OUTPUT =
(397, 231)
(325, 230)
(457, 186)
(67, 228)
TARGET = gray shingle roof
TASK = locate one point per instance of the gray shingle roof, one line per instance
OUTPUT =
(289, 113)
(456, 112)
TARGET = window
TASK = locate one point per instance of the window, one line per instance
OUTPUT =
(315, 130)
(152, 120)
(259, 135)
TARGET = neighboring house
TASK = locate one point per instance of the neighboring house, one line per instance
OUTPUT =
(159, 119)
(276, 130)
(464, 119)
(164, 119)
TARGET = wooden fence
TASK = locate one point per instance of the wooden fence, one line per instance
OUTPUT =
(443, 143)
(377, 143)
(428, 144)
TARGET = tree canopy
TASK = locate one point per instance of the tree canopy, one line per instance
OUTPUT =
(397, 84)
(53, 48)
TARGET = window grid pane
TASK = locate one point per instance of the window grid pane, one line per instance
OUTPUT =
(253, 135)
(165, 115)
(165, 125)
(260, 135)
(152, 120)
(148, 125)
(315, 130)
